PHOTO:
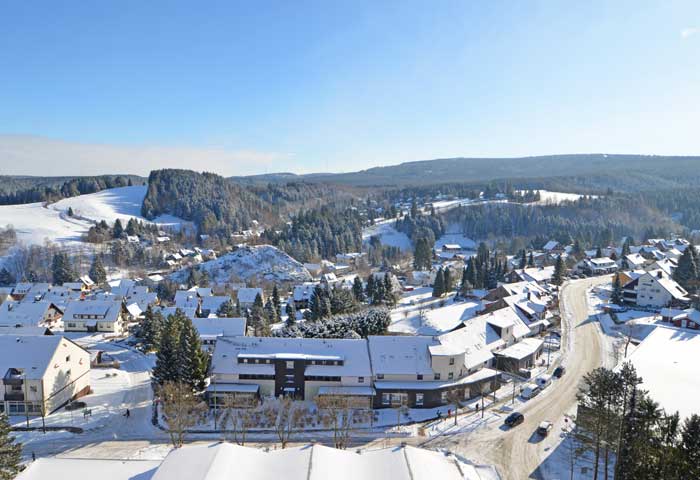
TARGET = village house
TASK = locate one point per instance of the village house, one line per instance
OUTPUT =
(94, 316)
(597, 266)
(688, 318)
(30, 314)
(539, 275)
(41, 373)
(245, 368)
(246, 296)
(211, 329)
(657, 290)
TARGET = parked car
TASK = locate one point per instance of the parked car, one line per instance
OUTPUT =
(559, 371)
(544, 428)
(529, 391)
(543, 381)
(514, 419)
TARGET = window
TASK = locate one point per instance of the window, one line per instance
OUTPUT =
(380, 376)
(68, 359)
(360, 379)
(32, 388)
(386, 398)
(443, 397)
(419, 399)
(450, 375)
(452, 361)
(290, 364)
(437, 376)
(419, 376)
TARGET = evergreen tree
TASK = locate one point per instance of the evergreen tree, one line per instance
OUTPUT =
(439, 284)
(131, 227)
(270, 311)
(447, 280)
(599, 253)
(6, 278)
(523, 259)
(61, 269)
(194, 366)
(276, 302)
(559, 271)
(422, 255)
(291, 312)
(414, 209)
(616, 296)
(686, 274)
(168, 358)
(358, 290)
(227, 309)
(389, 295)
(256, 316)
(379, 292)
(10, 451)
(690, 446)
(370, 287)
(192, 278)
(118, 230)
(97, 271)
(531, 260)
(626, 247)
(151, 329)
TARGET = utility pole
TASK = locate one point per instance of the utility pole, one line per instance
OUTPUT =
(26, 407)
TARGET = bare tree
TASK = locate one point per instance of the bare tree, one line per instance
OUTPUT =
(337, 414)
(240, 419)
(182, 410)
(285, 416)
(455, 396)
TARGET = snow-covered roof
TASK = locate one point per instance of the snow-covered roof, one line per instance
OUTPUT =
(247, 295)
(522, 349)
(30, 354)
(186, 299)
(350, 354)
(213, 302)
(28, 314)
(667, 361)
(550, 245)
(317, 462)
(401, 355)
(72, 468)
(103, 310)
(218, 327)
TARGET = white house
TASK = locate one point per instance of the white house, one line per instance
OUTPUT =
(656, 289)
(41, 373)
(94, 316)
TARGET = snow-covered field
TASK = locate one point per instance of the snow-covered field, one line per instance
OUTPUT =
(388, 235)
(554, 198)
(109, 205)
(36, 222)
(418, 312)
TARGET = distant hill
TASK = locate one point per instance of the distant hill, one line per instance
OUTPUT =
(459, 170)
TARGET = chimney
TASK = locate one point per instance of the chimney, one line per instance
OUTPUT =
(660, 274)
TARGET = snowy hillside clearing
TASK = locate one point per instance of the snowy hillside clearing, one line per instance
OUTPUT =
(36, 222)
(388, 235)
(262, 262)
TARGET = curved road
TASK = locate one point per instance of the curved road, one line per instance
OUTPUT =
(516, 452)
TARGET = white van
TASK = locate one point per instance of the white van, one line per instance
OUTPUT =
(529, 391)
(543, 381)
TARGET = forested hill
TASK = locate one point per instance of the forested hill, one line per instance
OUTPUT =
(217, 205)
(29, 189)
(484, 169)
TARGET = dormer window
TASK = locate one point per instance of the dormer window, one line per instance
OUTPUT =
(452, 361)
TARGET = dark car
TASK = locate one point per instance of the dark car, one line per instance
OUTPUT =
(514, 419)
(559, 372)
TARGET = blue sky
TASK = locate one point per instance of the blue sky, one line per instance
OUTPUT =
(255, 87)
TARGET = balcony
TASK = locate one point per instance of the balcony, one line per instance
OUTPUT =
(14, 396)
(13, 377)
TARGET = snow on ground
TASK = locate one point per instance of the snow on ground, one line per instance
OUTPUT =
(37, 222)
(554, 198)
(456, 239)
(418, 312)
(388, 235)
(111, 204)
(262, 262)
